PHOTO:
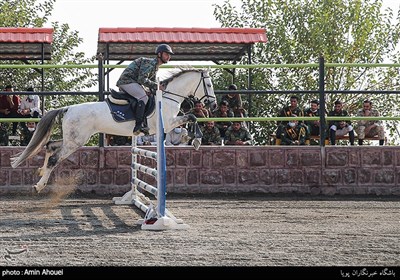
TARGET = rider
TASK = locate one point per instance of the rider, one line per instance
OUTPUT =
(142, 73)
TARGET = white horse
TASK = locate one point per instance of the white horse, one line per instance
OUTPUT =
(81, 121)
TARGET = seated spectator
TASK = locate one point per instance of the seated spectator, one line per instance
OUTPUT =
(118, 140)
(146, 140)
(200, 112)
(287, 111)
(313, 111)
(223, 112)
(27, 133)
(211, 135)
(30, 105)
(313, 127)
(369, 128)
(3, 135)
(238, 135)
(176, 137)
(339, 128)
(295, 133)
(9, 105)
(235, 102)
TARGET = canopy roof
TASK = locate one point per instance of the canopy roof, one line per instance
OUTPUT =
(25, 43)
(188, 44)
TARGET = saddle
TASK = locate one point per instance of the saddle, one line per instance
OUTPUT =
(123, 106)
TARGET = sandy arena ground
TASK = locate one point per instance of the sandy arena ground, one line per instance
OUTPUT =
(61, 230)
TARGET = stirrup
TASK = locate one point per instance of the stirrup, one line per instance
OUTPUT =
(145, 130)
(138, 129)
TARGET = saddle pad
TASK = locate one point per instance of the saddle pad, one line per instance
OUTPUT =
(120, 113)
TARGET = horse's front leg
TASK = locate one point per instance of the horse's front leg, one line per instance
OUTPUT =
(180, 120)
(195, 134)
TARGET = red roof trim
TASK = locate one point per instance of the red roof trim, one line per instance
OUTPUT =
(26, 35)
(181, 29)
(25, 30)
(182, 35)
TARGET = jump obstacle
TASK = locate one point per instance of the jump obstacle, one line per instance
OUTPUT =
(156, 217)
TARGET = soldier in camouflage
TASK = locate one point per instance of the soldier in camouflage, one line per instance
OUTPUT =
(139, 74)
(369, 128)
(223, 112)
(238, 135)
(211, 134)
(235, 102)
(3, 135)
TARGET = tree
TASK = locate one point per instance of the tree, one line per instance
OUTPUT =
(33, 13)
(300, 31)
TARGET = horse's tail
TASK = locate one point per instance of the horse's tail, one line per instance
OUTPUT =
(40, 137)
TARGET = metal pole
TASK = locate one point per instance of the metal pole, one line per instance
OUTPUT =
(161, 157)
(101, 90)
(322, 124)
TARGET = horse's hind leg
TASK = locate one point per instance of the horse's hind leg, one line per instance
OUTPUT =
(51, 148)
(58, 156)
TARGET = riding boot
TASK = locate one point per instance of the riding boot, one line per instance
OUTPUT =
(360, 142)
(140, 108)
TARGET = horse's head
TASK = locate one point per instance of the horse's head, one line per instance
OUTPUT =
(208, 96)
(192, 84)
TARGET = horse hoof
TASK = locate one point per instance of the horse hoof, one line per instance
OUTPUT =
(196, 143)
(191, 118)
(35, 189)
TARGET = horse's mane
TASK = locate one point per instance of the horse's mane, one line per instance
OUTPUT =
(176, 72)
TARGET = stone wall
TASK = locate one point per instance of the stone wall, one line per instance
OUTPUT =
(309, 170)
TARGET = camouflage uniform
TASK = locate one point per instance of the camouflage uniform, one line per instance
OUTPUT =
(137, 80)
(26, 136)
(210, 137)
(231, 136)
(235, 104)
(362, 124)
(3, 135)
(222, 126)
(204, 113)
(142, 71)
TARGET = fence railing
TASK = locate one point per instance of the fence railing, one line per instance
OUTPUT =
(321, 65)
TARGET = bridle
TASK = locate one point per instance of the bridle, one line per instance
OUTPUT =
(205, 89)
